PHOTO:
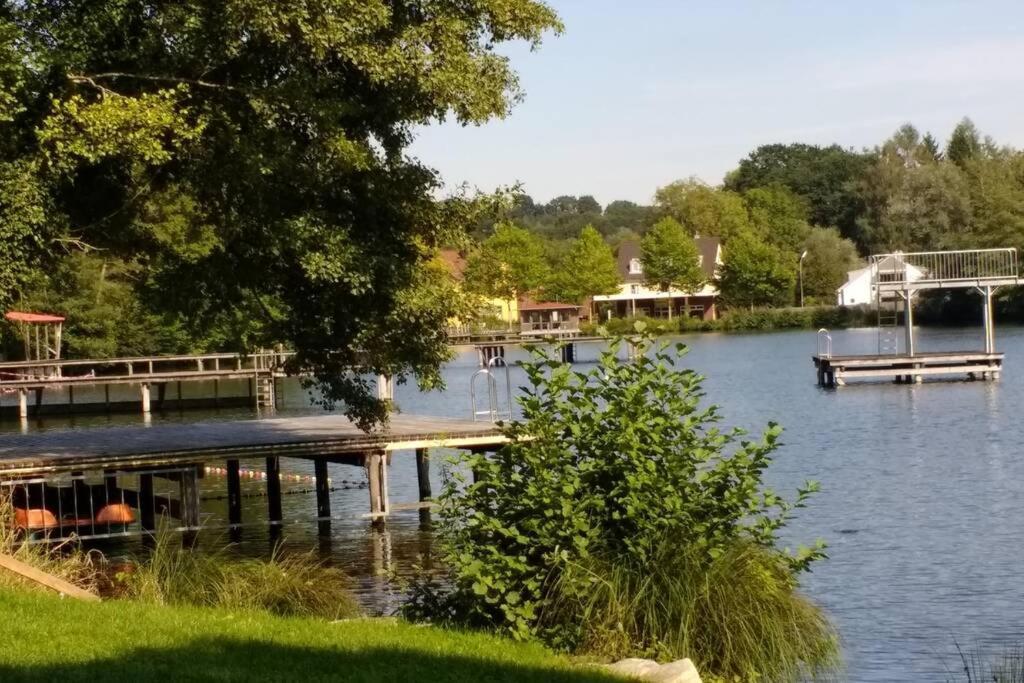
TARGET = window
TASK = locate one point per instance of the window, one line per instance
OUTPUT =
(634, 289)
(635, 267)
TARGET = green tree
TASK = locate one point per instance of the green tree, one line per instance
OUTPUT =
(755, 273)
(280, 130)
(509, 263)
(829, 258)
(703, 210)
(670, 258)
(964, 143)
(625, 215)
(778, 215)
(587, 269)
(823, 176)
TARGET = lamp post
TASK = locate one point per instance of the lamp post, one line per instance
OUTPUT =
(801, 268)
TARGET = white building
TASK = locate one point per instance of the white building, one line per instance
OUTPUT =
(859, 289)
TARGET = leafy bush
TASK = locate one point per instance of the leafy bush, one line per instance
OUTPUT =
(619, 475)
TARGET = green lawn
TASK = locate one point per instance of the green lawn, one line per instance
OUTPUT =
(45, 638)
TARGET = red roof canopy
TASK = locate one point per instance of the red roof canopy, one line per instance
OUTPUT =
(21, 317)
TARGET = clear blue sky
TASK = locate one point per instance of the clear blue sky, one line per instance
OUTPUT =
(638, 93)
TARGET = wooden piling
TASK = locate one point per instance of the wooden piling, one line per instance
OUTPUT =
(377, 474)
(274, 490)
(22, 403)
(423, 479)
(144, 389)
(189, 487)
(234, 493)
(323, 497)
(147, 503)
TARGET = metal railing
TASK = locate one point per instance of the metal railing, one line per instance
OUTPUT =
(92, 505)
(571, 325)
(824, 343)
(493, 410)
(963, 268)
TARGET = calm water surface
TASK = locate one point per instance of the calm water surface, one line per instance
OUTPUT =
(922, 499)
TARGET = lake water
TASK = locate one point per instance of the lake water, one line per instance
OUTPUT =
(922, 499)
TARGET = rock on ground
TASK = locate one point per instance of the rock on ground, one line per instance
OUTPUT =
(679, 671)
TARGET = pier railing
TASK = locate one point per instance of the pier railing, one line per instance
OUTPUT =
(135, 369)
(944, 269)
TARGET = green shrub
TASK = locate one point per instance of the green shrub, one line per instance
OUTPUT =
(622, 462)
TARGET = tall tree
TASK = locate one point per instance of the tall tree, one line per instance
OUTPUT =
(670, 258)
(285, 125)
(509, 264)
(829, 258)
(778, 215)
(964, 144)
(587, 269)
(755, 273)
(703, 210)
(823, 176)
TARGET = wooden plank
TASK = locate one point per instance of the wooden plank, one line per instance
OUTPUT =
(893, 372)
(42, 578)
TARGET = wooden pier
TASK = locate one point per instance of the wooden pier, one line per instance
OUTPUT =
(896, 279)
(151, 374)
(178, 452)
(835, 371)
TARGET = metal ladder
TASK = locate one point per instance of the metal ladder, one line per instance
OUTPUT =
(491, 411)
(266, 393)
(888, 320)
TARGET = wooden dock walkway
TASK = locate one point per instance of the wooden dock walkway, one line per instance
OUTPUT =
(35, 467)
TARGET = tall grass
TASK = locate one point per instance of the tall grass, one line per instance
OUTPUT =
(980, 667)
(738, 617)
(285, 584)
(66, 560)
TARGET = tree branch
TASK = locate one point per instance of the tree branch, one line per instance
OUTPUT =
(91, 79)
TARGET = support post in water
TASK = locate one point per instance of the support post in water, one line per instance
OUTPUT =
(147, 502)
(423, 479)
(22, 403)
(323, 497)
(144, 388)
(189, 484)
(274, 491)
(234, 498)
(377, 476)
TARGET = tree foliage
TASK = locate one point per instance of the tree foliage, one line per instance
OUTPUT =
(670, 258)
(703, 210)
(276, 133)
(755, 273)
(823, 176)
(509, 263)
(587, 268)
(829, 258)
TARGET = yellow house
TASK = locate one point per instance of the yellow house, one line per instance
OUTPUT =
(505, 310)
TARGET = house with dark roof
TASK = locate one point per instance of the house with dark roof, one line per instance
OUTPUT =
(548, 319)
(635, 298)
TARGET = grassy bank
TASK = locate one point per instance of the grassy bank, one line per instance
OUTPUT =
(46, 638)
(763, 319)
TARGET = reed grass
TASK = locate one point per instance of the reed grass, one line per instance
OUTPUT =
(979, 666)
(66, 560)
(738, 617)
(285, 584)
